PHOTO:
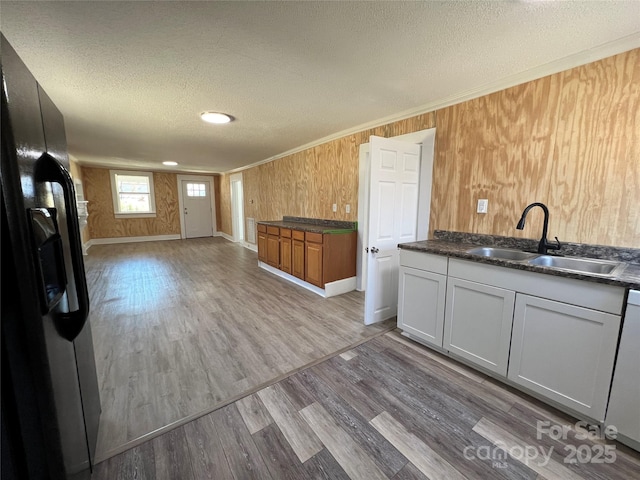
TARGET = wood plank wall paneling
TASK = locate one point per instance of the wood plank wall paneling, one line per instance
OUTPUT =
(570, 140)
(102, 222)
(481, 152)
(225, 205)
(596, 178)
(216, 188)
(308, 183)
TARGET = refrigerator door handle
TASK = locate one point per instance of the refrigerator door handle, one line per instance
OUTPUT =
(68, 324)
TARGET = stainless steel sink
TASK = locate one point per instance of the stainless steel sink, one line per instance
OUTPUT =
(581, 265)
(591, 266)
(502, 253)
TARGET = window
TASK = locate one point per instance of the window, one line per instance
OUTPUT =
(196, 190)
(133, 194)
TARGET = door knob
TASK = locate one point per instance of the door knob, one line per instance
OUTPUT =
(374, 250)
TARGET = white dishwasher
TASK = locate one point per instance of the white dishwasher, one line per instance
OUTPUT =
(624, 403)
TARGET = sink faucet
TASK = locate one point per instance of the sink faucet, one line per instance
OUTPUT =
(544, 245)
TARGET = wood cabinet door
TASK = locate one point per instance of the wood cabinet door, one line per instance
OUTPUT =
(285, 254)
(273, 250)
(297, 266)
(421, 297)
(262, 247)
(313, 264)
(564, 352)
(478, 321)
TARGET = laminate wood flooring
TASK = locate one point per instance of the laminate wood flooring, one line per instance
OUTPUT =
(183, 327)
(390, 409)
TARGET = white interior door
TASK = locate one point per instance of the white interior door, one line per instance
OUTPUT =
(237, 207)
(198, 218)
(425, 138)
(393, 219)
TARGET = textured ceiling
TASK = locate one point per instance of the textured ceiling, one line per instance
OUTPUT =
(131, 77)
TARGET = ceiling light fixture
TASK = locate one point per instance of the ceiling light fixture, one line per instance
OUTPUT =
(170, 164)
(215, 117)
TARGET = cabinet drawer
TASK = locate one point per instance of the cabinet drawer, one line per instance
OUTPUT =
(424, 261)
(262, 228)
(298, 235)
(273, 230)
(313, 237)
(285, 232)
(597, 296)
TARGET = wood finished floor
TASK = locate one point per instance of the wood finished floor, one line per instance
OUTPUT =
(389, 408)
(182, 327)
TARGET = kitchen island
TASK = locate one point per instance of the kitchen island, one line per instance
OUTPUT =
(317, 254)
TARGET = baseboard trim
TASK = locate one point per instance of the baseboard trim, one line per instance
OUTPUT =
(147, 238)
(223, 235)
(340, 286)
(251, 246)
(292, 279)
(331, 289)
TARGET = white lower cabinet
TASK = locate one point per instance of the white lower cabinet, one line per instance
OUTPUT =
(478, 323)
(555, 337)
(564, 352)
(421, 304)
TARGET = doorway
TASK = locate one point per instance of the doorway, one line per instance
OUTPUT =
(403, 217)
(237, 207)
(196, 198)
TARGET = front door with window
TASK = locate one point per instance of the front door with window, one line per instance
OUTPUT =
(198, 217)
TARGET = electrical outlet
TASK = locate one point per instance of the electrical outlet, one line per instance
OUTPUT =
(483, 205)
(347, 208)
(335, 207)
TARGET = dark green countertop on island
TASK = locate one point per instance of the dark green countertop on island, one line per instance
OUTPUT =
(313, 225)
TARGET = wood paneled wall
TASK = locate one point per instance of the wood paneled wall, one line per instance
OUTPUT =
(217, 198)
(308, 183)
(76, 174)
(225, 205)
(102, 222)
(569, 140)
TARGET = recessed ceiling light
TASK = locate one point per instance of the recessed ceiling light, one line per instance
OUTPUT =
(170, 164)
(215, 117)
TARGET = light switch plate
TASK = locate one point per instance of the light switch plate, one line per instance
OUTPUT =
(347, 208)
(335, 207)
(483, 205)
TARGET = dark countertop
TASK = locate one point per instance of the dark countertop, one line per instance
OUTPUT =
(318, 227)
(628, 277)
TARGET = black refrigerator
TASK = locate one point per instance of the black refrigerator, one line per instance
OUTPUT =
(50, 403)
